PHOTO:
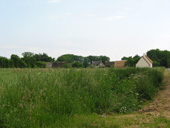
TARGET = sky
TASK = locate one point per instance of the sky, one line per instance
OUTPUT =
(114, 28)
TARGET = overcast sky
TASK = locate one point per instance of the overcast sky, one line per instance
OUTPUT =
(114, 28)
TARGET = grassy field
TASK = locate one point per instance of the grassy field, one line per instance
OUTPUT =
(75, 97)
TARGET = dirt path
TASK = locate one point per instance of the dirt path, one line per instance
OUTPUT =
(161, 103)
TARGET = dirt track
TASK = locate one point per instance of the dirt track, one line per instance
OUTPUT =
(161, 103)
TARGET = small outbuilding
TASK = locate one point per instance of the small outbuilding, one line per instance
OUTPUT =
(98, 64)
(109, 64)
(119, 64)
(49, 64)
(58, 64)
(144, 61)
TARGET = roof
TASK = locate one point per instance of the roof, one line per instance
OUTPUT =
(96, 63)
(148, 58)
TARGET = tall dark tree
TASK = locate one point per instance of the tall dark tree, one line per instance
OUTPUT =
(4, 63)
(43, 57)
(16, 60)
(30, 59)
(159, 58)
(86, 62)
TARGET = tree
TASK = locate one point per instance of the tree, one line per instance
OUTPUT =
(40, 64)
(159, 58)
(131, 61)
(44, 57)
(10, 63)
(30, 59)
(70, 58)
(104, 59)
(85, 63)
(4, 63)
(77, 65)
(16, 60)
(22, 64)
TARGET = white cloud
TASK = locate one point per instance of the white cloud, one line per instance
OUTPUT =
(164, 36)
(109, 19)
(114, 18)
(54, 1)
(119, 17)
(90, 15)
(127, 8)
(68, 14)
(120, 12)
(53, 17)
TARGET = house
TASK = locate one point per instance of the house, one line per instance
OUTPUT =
(109, 64)
(119, 64)
(49, 64)
(98, 64)
(57, 64)
(144, 61)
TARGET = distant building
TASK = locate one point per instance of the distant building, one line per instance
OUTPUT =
(49, 64)
(144, 61)
(58, 65)
(109, 64)
(119, 64)
(98, 64)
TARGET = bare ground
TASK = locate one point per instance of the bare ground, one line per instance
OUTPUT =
(161, 103)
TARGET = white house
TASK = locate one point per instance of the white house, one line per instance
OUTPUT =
(144, 61)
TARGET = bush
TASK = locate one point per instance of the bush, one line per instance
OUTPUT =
(41, 64)
(77, 65)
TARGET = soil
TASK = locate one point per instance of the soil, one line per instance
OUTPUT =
(161, 103)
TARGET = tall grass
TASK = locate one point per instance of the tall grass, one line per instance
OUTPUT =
(50, 98)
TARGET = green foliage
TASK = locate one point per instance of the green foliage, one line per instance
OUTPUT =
(40, 64)
(85, 63)
(160, 58)
(4, 63)
(77, 65)
(16, 60)
(66, 66)
(44, 57)
(70, 58)
(104, 59)
(51, 98)
(131, 61)
(30, 59)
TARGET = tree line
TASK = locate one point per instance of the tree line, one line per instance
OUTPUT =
(31, 60)
(28, 60)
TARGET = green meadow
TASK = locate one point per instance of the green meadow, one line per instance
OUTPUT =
(51, 98)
